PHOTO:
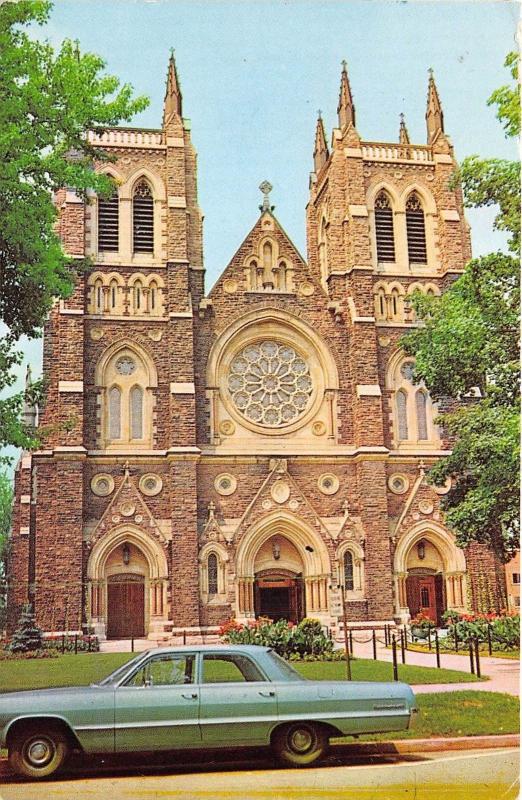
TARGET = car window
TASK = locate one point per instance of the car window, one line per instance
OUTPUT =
(230, 668)
(164, 670)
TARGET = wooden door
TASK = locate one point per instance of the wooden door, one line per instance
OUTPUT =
(421, 595)
(126, 607)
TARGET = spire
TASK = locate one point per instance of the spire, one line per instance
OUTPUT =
(321, 148)
(173, 98)
(404, 136)
(29, 410)
(434, 115)
(345, 107)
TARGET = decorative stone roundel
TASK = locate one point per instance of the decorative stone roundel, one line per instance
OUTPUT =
(125, 365)
(280, 491)
(225, 484)
(444, 489)
(328, 483)
(425, 506)
(150, 484)
(319, 428)
(102, 484)
(227, 427)
(270, 383)
(399, 484)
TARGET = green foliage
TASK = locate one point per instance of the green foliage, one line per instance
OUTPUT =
(49, 102)
(28, 635)
(467, 351)
(504, 629)
(284, 637)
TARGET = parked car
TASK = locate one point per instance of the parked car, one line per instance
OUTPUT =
(197, 698)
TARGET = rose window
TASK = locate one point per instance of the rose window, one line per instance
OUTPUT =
(270, 383)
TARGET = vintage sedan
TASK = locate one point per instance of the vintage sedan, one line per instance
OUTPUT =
(204, 697)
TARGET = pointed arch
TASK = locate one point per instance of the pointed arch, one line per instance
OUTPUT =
(117, 536)
(384, 227)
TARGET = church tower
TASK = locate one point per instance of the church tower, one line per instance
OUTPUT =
(109, 537)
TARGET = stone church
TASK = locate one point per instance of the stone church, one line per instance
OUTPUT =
(261, 449)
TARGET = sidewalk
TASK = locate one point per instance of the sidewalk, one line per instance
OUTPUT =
(503, 673)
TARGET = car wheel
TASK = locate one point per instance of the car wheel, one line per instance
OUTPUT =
(36, 751)
(300, 744)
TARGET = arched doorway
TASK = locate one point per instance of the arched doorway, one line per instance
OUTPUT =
(430, 573)
(283, 571)
(127, 589)
(278, 586)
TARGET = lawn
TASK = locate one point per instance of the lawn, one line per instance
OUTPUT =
(461, 713)
(85, 668)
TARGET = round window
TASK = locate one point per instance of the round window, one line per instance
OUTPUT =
(398, 484)
(102, 484)
(225, 484)
(125, 365)
(150, 484)
(328, 483)
(270, 383)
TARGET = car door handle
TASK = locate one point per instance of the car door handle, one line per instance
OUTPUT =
(191, 696)
(267, 694)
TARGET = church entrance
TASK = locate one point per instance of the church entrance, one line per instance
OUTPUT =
(425, 595)
(125, 606)
(279, 596)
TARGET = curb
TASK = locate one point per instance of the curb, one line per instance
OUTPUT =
(401, 746)
(433, 745)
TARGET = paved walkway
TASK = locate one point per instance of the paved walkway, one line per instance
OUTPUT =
(504, 673)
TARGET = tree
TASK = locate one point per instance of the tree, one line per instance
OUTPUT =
(50, 100)
(28, 636)
(467, 352)
(6, 504)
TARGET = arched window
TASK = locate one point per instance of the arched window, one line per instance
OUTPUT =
(396, 305)
(108, 223)
(137, 297)
(384, 234)
(98, 296)
(422, 420)
(212, 574)
(413, 410)
(402, 414)
(136, 412)
(380, 304)
(114, 413)
(416, 230)
(153, 297)
(348, 571)
(143, 218)
(113, 295)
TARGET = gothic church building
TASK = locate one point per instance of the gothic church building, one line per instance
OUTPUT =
(261, 449)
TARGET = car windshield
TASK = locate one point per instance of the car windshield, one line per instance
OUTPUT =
(287, 672)
(118, 674)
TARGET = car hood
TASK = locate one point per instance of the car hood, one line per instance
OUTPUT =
(36, 695)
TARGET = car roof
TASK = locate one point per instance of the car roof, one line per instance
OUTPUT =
(202, 648)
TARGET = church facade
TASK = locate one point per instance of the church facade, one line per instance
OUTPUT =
(261, 450)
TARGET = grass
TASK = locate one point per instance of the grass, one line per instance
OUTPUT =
(463, 651)
(461, 713)
(85, 668)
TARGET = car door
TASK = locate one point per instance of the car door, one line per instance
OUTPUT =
(157, 708)
(237, 702)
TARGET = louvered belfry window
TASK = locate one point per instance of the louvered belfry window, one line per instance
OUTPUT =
(384, 228)
(108, 223)
(143, 219)
(416, 230)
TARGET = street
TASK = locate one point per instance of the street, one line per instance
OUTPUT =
(481, 775)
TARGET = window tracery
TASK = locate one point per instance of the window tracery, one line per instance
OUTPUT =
(266, 271)
(416, 230)
(126, 399)
(413, 409)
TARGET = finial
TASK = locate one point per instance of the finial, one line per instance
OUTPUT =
(344, 65)
(430, 73)
(126, 468)
(401, 117)
(266, 187)
(319, 113)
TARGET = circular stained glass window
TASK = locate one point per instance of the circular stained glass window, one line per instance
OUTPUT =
(125, 365)
(407, 370)
(270, 383)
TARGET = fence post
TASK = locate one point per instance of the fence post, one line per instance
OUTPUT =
(471, 659)
(437, 649)
(403, 650)
(394, 657)
(75, 644)
(477, 656)
(346, 647)
(184, 636)
(374, 643)
(89, 643)
(386, 636)
(351, 642)
(132, 644)
(429, 636)
(63, 643)
(490, 646)
(456, 639)
(405, 637)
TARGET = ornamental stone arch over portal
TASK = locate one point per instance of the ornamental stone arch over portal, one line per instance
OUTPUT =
(127, 575)
(238, 414)
(427, 561)
(311, 580)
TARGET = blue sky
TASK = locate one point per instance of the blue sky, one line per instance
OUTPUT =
(253, 75)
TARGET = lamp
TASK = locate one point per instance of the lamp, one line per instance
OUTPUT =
(126, 553)
(421, 550)
(276, 550)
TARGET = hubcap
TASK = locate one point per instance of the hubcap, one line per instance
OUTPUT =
(39, 752)
(301, 740)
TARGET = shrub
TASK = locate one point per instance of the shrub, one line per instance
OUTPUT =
(287, 639)
(28, 635)
(84, 644)
(504, 628)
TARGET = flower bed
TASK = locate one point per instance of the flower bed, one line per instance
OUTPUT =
(306, 640)
(502, 629)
